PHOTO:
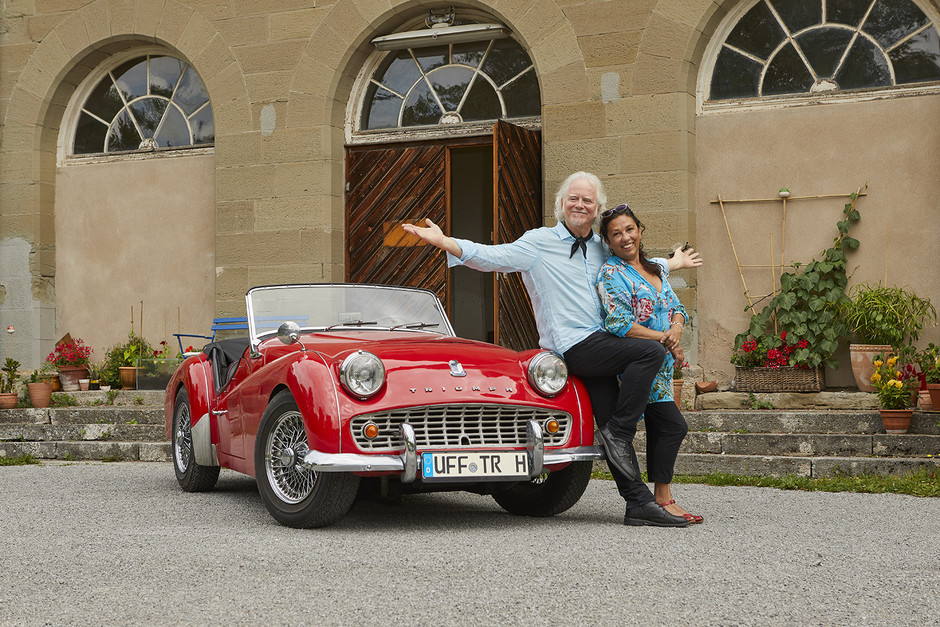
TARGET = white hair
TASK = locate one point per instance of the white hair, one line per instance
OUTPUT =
(601, 200)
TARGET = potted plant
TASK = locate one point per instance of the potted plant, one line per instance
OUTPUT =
(929, 361)
(881, 318)
(94, 376)
(38, 389)
(70, 358)
(789, 341)
(158, 368)
(896, 383)
(678, 378)
(8, 395)
(123, 361)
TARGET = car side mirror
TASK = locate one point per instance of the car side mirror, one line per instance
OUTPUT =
(289, 332)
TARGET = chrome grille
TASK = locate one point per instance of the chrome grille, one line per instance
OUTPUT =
(459, 426)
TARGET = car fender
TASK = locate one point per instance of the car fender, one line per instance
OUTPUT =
(315, 389)
(194, 376)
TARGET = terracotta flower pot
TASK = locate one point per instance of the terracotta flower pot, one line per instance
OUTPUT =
(69, 376)
(8, 401)
(896, 420)
(128, 377)
(677, 391)
(39, 393)
(862, 356)
(934, 389)
(83, 384)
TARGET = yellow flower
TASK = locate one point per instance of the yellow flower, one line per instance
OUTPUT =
(876, 377)
(878, 362)
(897, 374)
(898, 385)
(892, 360)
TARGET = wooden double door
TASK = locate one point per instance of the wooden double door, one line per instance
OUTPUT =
(485, 189)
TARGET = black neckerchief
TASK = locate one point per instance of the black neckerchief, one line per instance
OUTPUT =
(579, 242)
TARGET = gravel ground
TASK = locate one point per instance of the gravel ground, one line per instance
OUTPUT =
(119, 543)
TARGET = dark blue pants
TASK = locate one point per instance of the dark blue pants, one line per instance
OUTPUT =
(597, 360)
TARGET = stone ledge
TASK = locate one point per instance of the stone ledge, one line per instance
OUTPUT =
(789, 400)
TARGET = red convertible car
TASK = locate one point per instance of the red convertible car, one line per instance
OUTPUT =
(346, 388)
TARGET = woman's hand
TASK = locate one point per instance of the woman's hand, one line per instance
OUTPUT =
(433, 235)
(672, 337)
(687, 258)
(678, 354)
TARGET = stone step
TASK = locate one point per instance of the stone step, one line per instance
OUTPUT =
(791, 421)
(778, 466)
(837, 400)
(108, 450)
(806, 444)
(84, 415)
(73, 432)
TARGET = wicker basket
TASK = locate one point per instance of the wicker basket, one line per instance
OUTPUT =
(785, 379)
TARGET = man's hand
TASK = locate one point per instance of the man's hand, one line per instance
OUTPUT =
(687, 258)
(433, 235)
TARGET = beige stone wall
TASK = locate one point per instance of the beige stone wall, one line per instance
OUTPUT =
(826, 149)
(131, 235)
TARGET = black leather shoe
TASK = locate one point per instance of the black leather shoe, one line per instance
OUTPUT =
(653, 515)
(619, 453)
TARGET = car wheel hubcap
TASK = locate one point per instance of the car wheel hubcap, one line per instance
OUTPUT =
(286, 448)
(184, 438)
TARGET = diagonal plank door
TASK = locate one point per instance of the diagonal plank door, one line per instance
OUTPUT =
(386, 187)
(517, 191)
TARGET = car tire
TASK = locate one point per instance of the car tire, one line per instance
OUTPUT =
(191, 476)
(547, 495)
(296, 496)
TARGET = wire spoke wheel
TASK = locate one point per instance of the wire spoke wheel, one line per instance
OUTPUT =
(183, 445)
(284, 451)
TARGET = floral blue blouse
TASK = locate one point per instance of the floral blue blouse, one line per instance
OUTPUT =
(629, 299)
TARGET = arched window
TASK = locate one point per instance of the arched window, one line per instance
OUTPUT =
(451, 84)
(784, 47)
(148, 103)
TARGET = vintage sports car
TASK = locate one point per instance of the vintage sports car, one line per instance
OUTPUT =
(346, 388)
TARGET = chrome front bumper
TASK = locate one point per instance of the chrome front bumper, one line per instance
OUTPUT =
(407, 461)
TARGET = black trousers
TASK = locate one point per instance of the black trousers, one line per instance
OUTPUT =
(597, 360)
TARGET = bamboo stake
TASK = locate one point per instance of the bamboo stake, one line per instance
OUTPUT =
(773, 273)
(735, 252)
(887, 229)
(132, 318)
(783, 234)
(141, 320)
(714, 202)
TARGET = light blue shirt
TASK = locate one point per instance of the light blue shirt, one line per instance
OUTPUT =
(561, 287)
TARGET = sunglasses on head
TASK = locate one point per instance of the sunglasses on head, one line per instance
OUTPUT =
(616, 210)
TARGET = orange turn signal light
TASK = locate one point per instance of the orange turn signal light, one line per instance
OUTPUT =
(371, 430)
(551, 426)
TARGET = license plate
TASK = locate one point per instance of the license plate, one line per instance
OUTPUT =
(469, 466)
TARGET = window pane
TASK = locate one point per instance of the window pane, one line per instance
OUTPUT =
(482, 103)
(191, 93)
(164, 74)
(203, 126)
(123, 134)
(786, 73)
(522, 96)
(736, 76)
(890, 20)
(757, 33)
(383, 110)
(421, 108)
(174, 132)
(917, 59)
(823, 48)
(848, 12)
(401, 73)
(105, 101)
(799, 14)
(468, 54)
(865, 66)
(450, 83)
(89, 135)
(505, 60)
(148, 113)
(430, 58)
(131, 77)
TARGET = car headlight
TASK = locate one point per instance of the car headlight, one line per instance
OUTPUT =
(362, 374)
(548, 373)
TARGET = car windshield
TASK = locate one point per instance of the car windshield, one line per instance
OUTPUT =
(320, 307)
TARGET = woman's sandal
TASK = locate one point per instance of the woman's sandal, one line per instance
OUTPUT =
(693, 519)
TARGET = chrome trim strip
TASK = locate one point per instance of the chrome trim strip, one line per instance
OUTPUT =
(351, 462)
(203, 448)
(535, 446)
(579, 454)
(409, 456)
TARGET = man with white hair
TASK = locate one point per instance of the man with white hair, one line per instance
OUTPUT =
(559, 267)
